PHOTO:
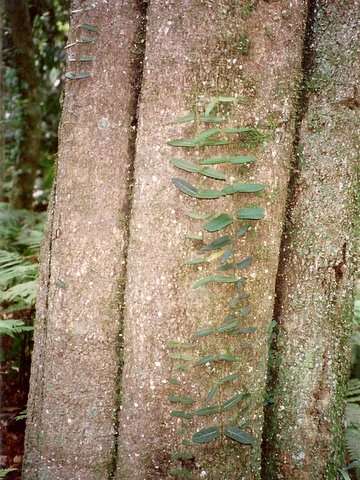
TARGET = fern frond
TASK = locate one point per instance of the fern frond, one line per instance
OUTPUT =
(5, 471)
(13, 327)
(15, 268)
(352, 415)
(352, 440)
(353, 392)
(25, 292)
(31, 239)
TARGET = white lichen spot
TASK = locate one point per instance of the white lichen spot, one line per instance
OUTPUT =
(103, 123)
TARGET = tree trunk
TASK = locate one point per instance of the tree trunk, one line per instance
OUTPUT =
(21, 33)
(314, 305)
(195, 51)
(71, 427)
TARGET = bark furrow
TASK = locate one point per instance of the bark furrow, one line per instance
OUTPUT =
(314, 309)
(189, 61)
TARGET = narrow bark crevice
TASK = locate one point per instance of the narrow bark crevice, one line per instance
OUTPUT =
(302, 106)
(47, 282)
(135, 101)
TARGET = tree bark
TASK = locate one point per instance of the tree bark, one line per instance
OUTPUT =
(21, 33)
(195, 50)
(71, 425)
(315, 284)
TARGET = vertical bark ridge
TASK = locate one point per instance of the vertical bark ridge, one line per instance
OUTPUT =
(187, 61)
(73, 393)
(311, 354)
(301, 108)
(140, 43)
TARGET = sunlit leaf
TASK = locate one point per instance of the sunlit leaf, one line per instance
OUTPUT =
(183, 142)
(242, 231)
(196, 261)
(184, 399)
(212, 392)
(207, 359)
(190, 117)
(194, 236)
(221, 357)
(185, 187)
(215, 101)
(88, 27)
(86, 40)
(205, 411)
(206, 134)
(235, 433)
(211, 119)
(228, 326)
(194, 192)
(227, 357)
(181, 414)
(204, 332)
(206, 435)
(243, 188)
(217, 244)
(192, 168)
(231, 159)
(251, 213)
(218, 223)
(215, 279)
(87, 58)
(246, 262)
(233, 401)
(174, 381)
(77, 76)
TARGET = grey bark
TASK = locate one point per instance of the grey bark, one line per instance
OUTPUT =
(314, 308)
(192, 50)
(71, 424)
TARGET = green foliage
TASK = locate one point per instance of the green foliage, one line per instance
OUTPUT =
(190, 167)
(5, 471)
(243, 44)
(240, 436)
(218, 223)
(206, 435)
(13, 327)
(352, 410)
(221, 252)
(49, 29)
(20, 236)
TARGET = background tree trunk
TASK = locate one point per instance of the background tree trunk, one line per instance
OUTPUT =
(21, 33)
(71, 427)
(314, 305)
(2, 128)
(197, 50)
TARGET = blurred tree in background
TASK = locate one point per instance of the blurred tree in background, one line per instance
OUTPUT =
(33, 41)
(33, 35)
